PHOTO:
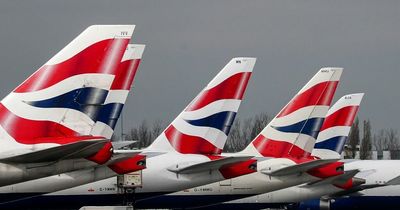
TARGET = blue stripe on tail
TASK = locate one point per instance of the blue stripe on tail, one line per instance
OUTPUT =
(221, 121)
(77, 99)
(89, 101)
(335, 144)
(110, 113)
(309, 127)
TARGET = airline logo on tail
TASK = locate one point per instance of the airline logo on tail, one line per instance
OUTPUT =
(294, 130)
(109, 113)
(336, 127)
(203, 127)
(61, 100)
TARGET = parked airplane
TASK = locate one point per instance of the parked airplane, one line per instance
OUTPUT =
(46, 123)
(186, 154)
(380, 191)
(109, 115)
(331, 139)
(367, 184)
(312, 102)
(282, 148)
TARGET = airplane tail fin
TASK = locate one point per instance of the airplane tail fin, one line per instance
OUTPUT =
(110, 111)
(61, 97)
(336, 127)
(203, 126)
(294, 130)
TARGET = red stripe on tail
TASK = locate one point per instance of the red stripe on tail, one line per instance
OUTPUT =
(277, 149)
(89, 60)
(188, 144)
(342, 117)
(231, 88)
(27, 131)
(125, 75)
(319, 94)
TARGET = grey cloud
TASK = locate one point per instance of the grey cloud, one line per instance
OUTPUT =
(188, 42)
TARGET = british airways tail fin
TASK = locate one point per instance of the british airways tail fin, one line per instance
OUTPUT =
(336, 127)
(110, 111)
(294, 130)
(203, 126)
(58, 101)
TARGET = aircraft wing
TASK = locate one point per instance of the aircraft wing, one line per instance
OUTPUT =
(209, 165)
(299, 168)
(79, 149)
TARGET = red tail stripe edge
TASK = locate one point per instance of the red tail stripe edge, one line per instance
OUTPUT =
(231, 88)
(188, 144)
(27, 131)
(342, 117)
(125, 75)
(319, 94)
(88, 61)
(277, 149)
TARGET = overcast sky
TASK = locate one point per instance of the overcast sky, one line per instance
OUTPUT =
(188, 42)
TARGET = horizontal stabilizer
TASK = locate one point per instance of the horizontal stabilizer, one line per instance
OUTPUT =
(79, 149)
(394, 181)
(346, 176)
(299, 168)
(209, 165)
(148, 154)
(121, 144)
(337, 180)
(117, 157)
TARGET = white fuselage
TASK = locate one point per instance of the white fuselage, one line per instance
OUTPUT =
(60, 181)
(254, 183)
(156, 178)
(377, 172)
(16, 173)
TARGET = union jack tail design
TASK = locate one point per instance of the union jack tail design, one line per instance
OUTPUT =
(108, 114)
(61, 101)
(203, 126)
(336, 127)
(294, 130)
